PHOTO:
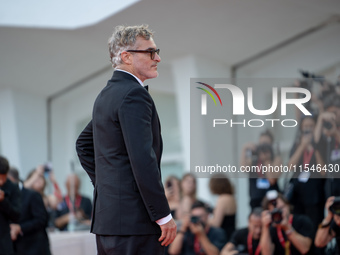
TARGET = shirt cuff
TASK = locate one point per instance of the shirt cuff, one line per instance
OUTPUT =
(164, 220)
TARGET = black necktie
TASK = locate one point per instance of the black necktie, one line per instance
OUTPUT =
(146, 87)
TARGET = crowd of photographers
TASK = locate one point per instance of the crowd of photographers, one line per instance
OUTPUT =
(303, 217)
(295, 222)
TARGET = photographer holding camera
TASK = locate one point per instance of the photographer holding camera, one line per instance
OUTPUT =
(246, 240)
(330, 226)
(257, 155)
(327, 138)
(196, 236)
(306, 188)
(283, 232)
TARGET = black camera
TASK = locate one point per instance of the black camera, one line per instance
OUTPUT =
(328, 125)
(335, 207)
(260, 148)
(327, 88)
(276, 216)
(195, 219)
(47, 168)
(314, 77)
(265, 148)
(168, 184)
(306, 132)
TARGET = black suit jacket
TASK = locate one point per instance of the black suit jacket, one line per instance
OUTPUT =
(9, 212)
(121, 149)
(33, 222)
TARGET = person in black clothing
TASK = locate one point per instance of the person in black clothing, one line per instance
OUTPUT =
(257, 155)
(329, 227)
(29, 235)
(327, 138)
(307, 192)
(283, 232)
(224, 214)
(246, 240)
(75, 208)
(9, 207)
(196, 236)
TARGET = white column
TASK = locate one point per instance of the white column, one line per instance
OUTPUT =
(23, 130)
(9, 140)
(183, 69)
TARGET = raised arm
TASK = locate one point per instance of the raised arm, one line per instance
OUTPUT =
(324, 235)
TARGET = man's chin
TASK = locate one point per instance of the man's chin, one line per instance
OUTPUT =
(154, 75)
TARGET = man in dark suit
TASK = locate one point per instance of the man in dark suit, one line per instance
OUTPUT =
(9, 207)
(29, 235)
(121, 149)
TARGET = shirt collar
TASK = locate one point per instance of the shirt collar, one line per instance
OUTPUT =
(140, 82)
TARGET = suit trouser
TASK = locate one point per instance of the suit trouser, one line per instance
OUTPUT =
(129, 245)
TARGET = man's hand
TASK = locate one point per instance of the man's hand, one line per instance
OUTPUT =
(229, 249)
(324, 234)
(266, 218)
(227, 252)
(79, 214)
(168, 233)
(40, 170)
(2, 195)
(15, 231)
(329, 216)
(249, 146)
(284, 224)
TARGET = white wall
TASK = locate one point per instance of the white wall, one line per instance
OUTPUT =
(8, 128)
(23, 130)
(70, 113)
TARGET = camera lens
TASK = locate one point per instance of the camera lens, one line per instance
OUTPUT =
(335, 207)
(276, 216)
(328, 125)
(194, 219)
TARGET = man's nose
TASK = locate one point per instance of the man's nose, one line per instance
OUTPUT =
(157, 58)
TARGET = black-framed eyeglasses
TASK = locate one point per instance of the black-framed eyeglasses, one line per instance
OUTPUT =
(151, 51)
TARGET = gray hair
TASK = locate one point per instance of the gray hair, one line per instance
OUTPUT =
(123, 38)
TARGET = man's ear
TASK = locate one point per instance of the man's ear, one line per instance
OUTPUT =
(126, 57)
